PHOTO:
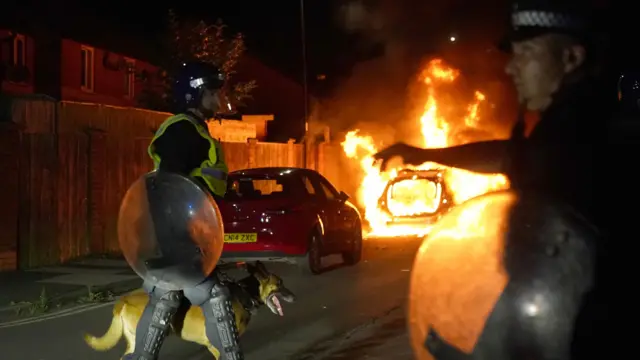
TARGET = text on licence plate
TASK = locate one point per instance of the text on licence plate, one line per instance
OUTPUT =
(240, 238)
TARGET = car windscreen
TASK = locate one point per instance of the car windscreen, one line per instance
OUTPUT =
(257, 187)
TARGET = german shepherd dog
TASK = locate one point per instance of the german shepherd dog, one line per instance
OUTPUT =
(260, 288)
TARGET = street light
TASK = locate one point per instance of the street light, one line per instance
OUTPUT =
(303, 39)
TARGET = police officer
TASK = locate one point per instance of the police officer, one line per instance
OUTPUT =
(183, 145)
(553, 68)
(534, 291)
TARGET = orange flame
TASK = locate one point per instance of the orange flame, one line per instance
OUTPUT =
(436, 132)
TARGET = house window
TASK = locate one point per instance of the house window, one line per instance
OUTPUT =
(129, 78)
(19, 51)
(86, 68)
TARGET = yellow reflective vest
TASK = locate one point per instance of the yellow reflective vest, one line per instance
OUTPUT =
(212, 171)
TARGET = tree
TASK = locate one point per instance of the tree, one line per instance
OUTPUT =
(189, 41)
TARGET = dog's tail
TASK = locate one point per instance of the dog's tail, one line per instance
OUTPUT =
(113, 334)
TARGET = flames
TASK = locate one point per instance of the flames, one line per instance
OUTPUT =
(438, 131)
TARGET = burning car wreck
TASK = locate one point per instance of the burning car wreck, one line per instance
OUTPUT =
(416, 197)
(405, 201)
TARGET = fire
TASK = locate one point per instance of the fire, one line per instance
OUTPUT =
(437, 132)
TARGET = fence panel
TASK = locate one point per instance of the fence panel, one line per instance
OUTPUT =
(9, 193)
(97, 191)
(39, 245)
(71, 196)
(337, 168)
(268, 155)
(236, 155)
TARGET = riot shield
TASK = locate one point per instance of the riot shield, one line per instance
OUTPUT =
(170, 230)
(500, 272)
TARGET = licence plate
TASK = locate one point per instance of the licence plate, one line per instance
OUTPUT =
(236, 238)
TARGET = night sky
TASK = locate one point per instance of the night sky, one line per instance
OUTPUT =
(272, 28)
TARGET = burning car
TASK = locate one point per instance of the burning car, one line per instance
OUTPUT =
(404, 203)
(415, 198)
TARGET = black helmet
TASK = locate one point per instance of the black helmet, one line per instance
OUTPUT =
(191, 79)
(507, 276)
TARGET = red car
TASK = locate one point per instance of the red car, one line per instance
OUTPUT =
(289, 213)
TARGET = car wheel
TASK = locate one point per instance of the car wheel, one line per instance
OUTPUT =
(311, 264)
(354, 255)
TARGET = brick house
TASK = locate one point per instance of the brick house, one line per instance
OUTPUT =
(86, 73)
(16, 63)
(82, 72)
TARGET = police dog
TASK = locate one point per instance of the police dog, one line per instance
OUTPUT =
(260, 288)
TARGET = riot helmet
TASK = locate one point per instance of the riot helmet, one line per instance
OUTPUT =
(191, 82)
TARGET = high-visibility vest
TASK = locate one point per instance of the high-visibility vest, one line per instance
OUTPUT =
(213, 171)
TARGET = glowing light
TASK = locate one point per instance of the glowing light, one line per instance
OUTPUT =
(438, 130)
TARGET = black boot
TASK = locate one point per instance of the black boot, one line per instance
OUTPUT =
(155, 323)
(214, 297)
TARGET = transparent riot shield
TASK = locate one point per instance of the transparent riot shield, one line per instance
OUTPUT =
(495, 264)
(170, 230)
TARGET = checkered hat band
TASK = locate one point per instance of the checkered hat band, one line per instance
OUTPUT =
(546, 19)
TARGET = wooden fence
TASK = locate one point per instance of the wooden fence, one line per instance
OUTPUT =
(66, 167)
(9, 171)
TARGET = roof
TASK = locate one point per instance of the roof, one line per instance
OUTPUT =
(275, 92)
(91, 27)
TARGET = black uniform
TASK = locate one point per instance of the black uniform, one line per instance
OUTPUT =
(181, 148)
(554, 261)
(564, 154)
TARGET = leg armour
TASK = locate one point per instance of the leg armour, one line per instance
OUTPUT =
(154, 323)
(214, 297)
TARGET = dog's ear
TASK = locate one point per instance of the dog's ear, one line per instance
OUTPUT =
(258, 271)
(261, 268)
(251, 268)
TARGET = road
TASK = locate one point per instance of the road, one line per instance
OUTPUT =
(333, 302)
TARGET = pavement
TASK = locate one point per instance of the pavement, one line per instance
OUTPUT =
(381, 338)
(332, 308)
(44, 290)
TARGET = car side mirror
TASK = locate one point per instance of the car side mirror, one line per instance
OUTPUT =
(343, 196)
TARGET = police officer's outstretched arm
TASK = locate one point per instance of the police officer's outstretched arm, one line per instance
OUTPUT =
(483, 157)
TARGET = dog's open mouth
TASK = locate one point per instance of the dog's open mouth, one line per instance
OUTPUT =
(274, 305)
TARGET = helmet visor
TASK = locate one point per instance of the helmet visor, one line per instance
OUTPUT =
(209, 82)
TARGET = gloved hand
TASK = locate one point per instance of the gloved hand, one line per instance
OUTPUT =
(410, 155)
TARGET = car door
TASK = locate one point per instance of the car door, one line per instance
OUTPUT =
(331, 210)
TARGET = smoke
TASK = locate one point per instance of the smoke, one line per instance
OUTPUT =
(381, 97)
(374, 98)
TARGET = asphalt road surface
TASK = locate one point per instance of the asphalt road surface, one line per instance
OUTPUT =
(340, 299)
